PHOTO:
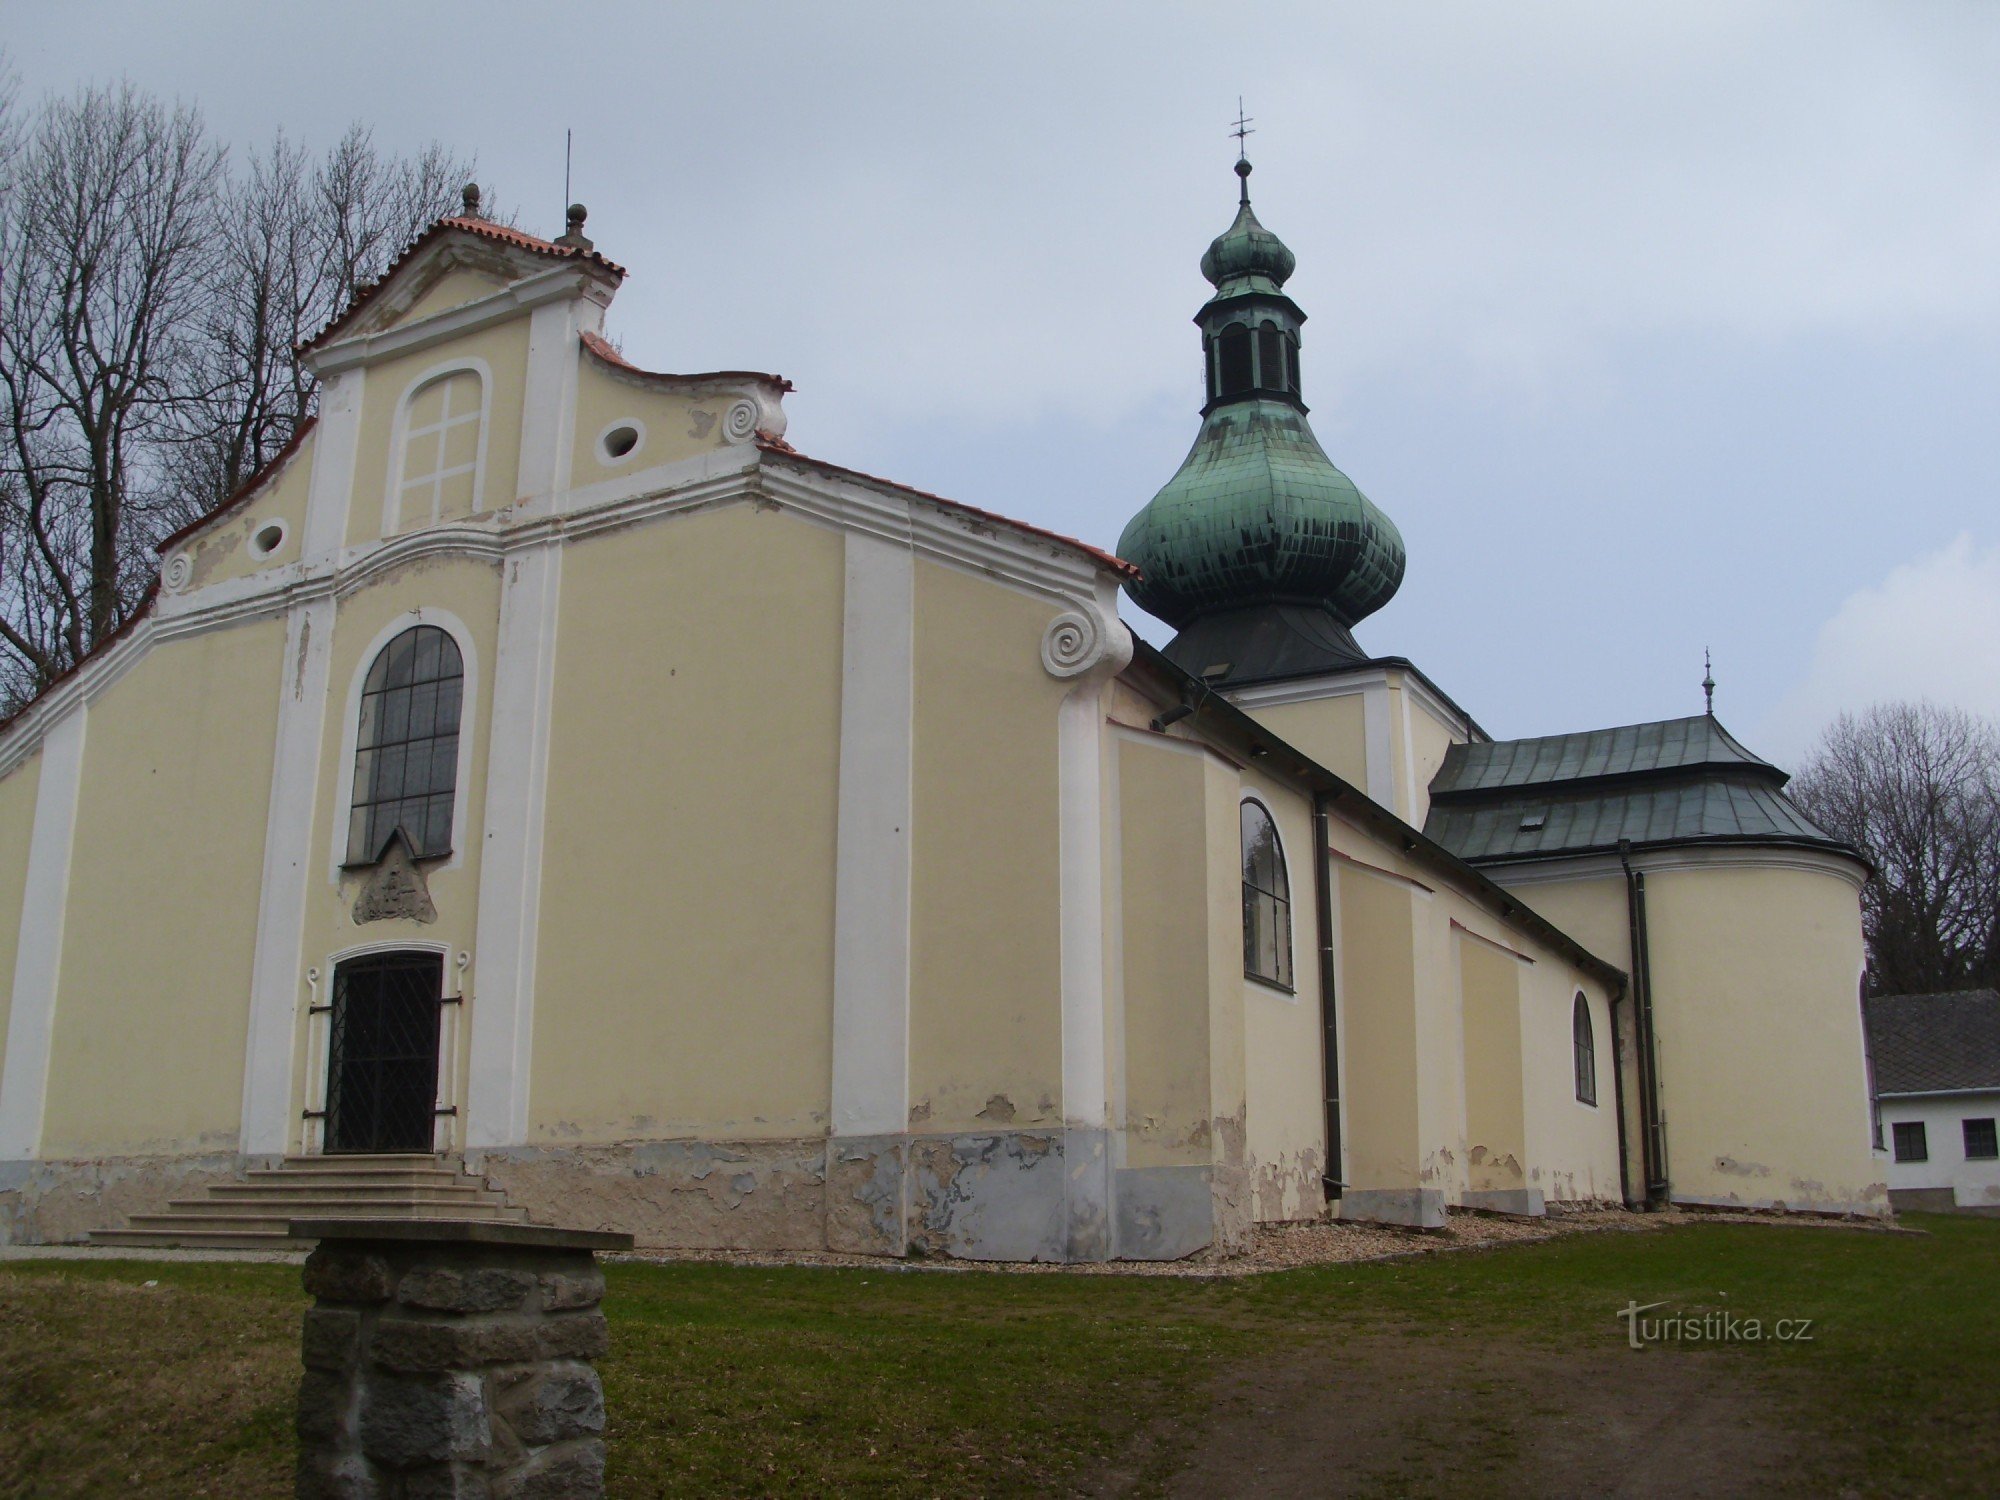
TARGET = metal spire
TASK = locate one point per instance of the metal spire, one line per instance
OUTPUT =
(1242, 132)
(1708, 681)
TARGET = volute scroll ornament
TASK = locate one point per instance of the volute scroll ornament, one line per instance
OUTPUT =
(1077, 641)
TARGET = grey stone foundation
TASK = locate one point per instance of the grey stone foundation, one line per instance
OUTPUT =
(1526, 1202)
(451, 1359)
(1415, 1208)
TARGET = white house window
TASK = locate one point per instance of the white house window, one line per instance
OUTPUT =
(1981, 1144)
(406, 751)
(1910, 1144)
(1267, 901)
(440, 473)
(1586, 1051)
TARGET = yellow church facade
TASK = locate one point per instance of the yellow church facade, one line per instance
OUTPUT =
(545, 769)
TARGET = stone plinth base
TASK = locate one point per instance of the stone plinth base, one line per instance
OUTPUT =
(451, 1359)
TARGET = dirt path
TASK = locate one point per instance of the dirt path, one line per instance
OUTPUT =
(1410, 1414)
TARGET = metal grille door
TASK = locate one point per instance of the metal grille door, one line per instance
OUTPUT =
(382, 1061)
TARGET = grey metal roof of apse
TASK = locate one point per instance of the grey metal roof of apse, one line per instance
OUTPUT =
(1678, 781)
(1932, 1044)
(1632, 749)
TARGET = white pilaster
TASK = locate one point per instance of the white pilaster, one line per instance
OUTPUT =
(548, 408)
(510, 878)
(276, 973)
(336, 441)
(1079, 755)
(38, 958)
(1381, 759)
(871, 923)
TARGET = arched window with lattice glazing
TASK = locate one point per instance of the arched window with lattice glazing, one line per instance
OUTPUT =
(1267, 900)
(406, 751)
(1586, 1051)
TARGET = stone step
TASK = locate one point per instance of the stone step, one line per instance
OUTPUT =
(474, 1205)
(361, 1161)
(285, 1185)
(194, 1239)
(259, 1177)
(203, 1213)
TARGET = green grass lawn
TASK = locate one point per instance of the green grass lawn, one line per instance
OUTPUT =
(727, 1380)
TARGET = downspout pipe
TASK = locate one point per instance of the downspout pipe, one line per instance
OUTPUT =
(1618, 1104)
(1333, 1177)
(1652, 1135)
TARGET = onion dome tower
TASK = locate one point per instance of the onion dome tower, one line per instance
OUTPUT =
(1259, 551)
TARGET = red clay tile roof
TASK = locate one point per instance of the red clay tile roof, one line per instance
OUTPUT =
(1105, 559)
(243, 491)
(484, 229)
(602, 348)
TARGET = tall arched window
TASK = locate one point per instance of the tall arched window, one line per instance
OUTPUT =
(440, 474)
(1586, 1052)
(406, 753)
(1267, 900)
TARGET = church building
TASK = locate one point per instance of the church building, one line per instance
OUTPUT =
(544, 793)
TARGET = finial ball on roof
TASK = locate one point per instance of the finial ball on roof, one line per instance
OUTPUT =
(577, 214)
(471, 198)
(1242, 166)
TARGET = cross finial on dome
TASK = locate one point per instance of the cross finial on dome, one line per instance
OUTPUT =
(1242, 132)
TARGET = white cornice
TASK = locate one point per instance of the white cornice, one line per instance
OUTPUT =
(1349, 684)
(1688, 857)
(1034, 564)
(552, 285)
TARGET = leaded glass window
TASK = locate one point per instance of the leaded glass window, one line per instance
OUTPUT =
(1267, 900)
(1586, 1051)
(406, 754)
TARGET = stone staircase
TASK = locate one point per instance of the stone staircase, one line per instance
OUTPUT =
(253, 1214)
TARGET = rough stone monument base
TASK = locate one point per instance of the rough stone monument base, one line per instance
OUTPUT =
(452, 1360)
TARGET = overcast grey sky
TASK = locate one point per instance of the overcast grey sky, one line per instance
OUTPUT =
(1653, 327)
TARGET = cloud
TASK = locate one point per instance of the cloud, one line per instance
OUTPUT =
(1931, 629)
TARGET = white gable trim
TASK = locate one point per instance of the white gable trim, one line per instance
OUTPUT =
(553, 285)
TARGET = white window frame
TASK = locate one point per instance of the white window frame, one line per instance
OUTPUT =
(447, 1132)
(1273, 986)
(350, 737)
(399, 441)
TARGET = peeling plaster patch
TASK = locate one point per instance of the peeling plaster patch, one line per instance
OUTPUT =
(1737, 1168)
(699, 423)
(742, 1195)
(61, 1202)
(999, 1110)
(867, 1195)
(1289, 1188)
(920, 1111)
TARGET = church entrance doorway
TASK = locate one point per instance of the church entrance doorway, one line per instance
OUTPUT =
(382, 1057)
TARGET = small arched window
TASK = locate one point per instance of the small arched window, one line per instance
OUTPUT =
(1292, 365)
(1233, 360)
(440, 474)
(406, 753)
(1586, 1052)
(1270, 358)
(1267, 900)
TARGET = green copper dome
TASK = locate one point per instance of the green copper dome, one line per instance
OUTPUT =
(1247, 257)
(1258, 514)
(1259, 529)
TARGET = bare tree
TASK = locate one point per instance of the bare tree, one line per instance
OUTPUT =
(150, 306)
(1917, 788)
(296, 240)
(104, 237)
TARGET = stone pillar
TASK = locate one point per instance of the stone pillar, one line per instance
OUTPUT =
(451, 1359)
